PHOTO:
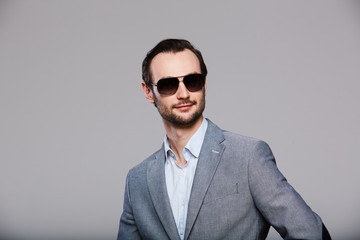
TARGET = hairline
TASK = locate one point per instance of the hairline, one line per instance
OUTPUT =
(172, 52)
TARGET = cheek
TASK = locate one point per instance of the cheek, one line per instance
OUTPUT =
(162, 102)
(201, 94)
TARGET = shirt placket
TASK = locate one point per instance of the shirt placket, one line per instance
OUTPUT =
(183, 195)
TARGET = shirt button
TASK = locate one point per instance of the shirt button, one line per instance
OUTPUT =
(182, 232)
(183, 203)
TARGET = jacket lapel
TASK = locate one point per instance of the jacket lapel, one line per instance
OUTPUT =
(209, 159)
(159, 195)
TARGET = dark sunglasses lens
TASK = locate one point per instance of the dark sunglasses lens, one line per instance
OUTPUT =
(194, 82)
(167, 86)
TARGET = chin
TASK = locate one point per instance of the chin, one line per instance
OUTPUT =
(181, 121)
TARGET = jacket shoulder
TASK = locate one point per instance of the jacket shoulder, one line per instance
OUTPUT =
(142, 166)
(236, 138)
(234, 141)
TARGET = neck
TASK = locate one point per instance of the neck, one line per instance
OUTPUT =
(179, 136)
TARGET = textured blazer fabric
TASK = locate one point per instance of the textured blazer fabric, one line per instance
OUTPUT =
(237, 193)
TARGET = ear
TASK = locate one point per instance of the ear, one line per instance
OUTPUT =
(147, 91)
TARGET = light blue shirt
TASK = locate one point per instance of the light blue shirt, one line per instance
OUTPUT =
(179, 180)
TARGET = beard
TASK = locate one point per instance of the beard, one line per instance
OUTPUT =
(177, 119)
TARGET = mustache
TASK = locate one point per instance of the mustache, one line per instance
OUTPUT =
(184, 103)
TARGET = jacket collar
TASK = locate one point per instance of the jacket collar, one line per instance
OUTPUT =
(210, 156)
(209, 159)
(159, 195)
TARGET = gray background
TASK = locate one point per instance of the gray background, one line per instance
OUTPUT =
(74, 119)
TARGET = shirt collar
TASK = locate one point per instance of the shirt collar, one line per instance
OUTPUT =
(195, 142)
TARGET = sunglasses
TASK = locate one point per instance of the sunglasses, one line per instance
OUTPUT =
(168, 86)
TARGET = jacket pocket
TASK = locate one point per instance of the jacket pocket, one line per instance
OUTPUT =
(220, 191)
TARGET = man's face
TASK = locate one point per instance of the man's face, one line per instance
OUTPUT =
(183, 108)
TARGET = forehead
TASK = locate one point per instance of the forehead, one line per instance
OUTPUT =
(174, 64)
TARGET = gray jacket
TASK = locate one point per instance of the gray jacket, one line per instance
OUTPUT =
(237, 193)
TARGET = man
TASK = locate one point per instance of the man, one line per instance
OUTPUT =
(205, 183)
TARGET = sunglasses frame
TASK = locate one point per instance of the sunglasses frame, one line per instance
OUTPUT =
(183, 76)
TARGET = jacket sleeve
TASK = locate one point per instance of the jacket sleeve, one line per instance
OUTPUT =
(278, 201)
(128, 229)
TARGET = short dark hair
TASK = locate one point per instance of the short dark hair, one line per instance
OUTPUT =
(169, 45)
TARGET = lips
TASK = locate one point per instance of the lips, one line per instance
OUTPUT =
(184, 106)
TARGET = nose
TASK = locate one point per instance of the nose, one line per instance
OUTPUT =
(182, 91)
